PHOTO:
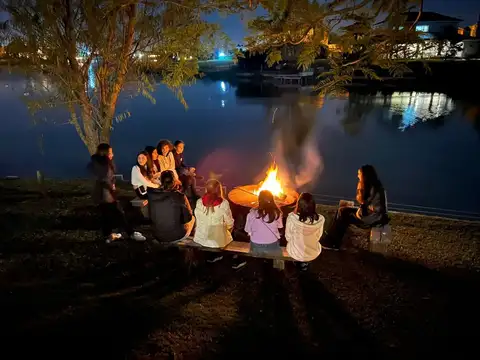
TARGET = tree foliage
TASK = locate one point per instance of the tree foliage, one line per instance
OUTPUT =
(367, 33)
(89, 50)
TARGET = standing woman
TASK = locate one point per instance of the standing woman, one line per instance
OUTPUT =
(372, 210)
(141, 177)
(263, 225)
(167, 160)
(101, 166)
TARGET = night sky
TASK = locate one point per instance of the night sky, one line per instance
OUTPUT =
(467, 10)
(235, 26)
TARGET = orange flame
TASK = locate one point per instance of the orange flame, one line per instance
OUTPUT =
(271, 183)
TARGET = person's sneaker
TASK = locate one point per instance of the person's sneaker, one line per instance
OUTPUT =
(215, 259)
(303, 266)
(113, 237)
(138, 236)
(238, 264)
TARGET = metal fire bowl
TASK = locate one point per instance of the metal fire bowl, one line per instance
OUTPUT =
(245, 196)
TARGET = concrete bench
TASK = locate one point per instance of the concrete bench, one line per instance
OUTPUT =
(380, 236)
(239, 248)
(142, 204)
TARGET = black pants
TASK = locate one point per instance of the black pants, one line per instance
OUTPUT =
(344, 217)
(140, 195)
(113, 217)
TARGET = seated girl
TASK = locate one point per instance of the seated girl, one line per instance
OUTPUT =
(263, 225)
(371, 212)
(141, 179)
(166, 159)
(153, 165)
(303, 230)
(170, 212)
(214, 218)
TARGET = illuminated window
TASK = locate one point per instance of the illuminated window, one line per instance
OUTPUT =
(423, 28)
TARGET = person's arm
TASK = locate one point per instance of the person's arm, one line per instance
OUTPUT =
(228, 217)
(102, 175)
(138, 178)
(186, 210)
(289, 229)
(248, 224)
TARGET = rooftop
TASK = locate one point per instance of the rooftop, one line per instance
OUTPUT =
(430, 16)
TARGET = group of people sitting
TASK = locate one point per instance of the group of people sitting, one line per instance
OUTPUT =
(154, 161)
(162, 177)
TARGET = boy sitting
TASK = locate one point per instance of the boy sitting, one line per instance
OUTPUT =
(180, 166)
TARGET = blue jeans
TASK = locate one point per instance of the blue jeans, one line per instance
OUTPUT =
(266, 249)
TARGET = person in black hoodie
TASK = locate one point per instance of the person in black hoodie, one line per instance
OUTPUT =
(170, 211)
(104, 194)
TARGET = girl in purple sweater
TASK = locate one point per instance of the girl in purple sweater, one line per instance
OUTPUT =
(263, 225)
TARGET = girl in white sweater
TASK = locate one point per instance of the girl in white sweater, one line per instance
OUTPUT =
(303, 230)
(166, 159)
(140, 177)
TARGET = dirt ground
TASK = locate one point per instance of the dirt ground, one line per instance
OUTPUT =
(65, 293)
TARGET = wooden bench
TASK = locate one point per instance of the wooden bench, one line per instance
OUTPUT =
(142, 204)
(237, 247)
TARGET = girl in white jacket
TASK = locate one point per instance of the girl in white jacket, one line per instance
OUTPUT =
(303, 230)
(214, 218)
(140, 178)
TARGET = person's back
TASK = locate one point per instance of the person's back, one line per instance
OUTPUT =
(214, 223)
(170, 211)
(303, 237)
(304, 229)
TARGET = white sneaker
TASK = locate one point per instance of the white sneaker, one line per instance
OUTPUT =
(138, 236)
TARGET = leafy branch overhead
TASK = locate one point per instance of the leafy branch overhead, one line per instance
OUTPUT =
(92, 50)
(370, 32)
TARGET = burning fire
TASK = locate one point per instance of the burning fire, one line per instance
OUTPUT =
(271, 183)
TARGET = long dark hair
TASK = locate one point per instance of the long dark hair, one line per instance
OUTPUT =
(144, 170)
(267, 207)
(168, 180)
(150, 161)
(306, 208)
(368, 181)
(102, 155)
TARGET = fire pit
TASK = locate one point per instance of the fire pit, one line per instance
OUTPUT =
(247, 195)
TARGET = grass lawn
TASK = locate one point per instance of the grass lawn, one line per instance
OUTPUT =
(65, 293)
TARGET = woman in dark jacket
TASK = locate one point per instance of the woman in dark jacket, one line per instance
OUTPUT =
(170, 211)
(104, 194)
(371, 212)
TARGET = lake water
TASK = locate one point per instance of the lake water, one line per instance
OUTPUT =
(425, 146)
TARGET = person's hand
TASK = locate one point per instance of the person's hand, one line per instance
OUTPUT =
(113, 187)
(192, 170)
(358, 214)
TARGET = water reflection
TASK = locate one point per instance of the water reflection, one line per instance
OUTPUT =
(404, 110)
(418, 107)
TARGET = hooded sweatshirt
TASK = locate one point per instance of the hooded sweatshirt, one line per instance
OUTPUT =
(104, 172)
(303, 237)
(169, 212)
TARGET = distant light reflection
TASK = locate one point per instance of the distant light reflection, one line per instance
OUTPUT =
(223, 86)
(223, 103)
(415, 107)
